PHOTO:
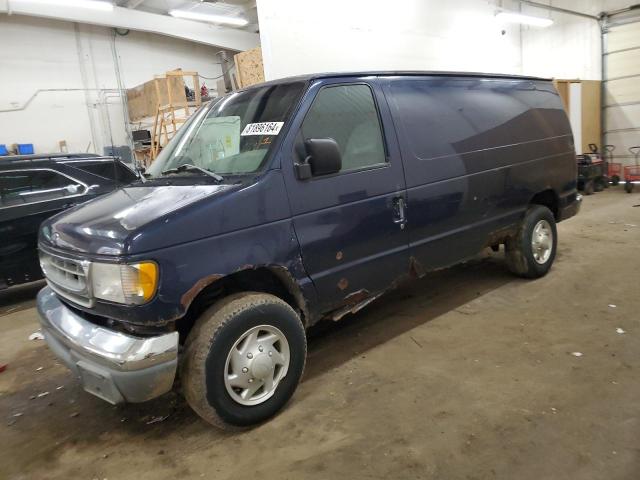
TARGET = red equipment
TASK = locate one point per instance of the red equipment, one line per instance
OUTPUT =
(614, 170)
(632, 172)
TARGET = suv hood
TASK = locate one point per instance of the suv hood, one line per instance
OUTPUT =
(108, 225)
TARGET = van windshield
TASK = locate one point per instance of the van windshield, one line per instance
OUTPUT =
(233, 136)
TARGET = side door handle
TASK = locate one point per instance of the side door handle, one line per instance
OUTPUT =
(399, 216)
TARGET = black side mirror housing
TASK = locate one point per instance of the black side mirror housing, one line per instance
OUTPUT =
(323, 158)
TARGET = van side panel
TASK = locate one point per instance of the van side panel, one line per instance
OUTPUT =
(475, 151)
(352, 246)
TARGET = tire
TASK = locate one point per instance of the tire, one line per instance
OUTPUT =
(521, 258)
(588, 188)
(599, 185)
(615, 180)
(628, 187)
(207, 359)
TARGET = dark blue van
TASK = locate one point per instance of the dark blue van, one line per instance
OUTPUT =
(289, 202)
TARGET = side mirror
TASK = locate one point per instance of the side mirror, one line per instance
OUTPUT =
(323, 158)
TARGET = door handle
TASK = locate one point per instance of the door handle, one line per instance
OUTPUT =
(399, 212)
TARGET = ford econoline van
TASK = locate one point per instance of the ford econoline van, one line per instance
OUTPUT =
(293, 201)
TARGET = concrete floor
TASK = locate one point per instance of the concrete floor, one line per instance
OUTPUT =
(468, 373)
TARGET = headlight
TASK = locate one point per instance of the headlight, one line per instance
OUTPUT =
(130, 284)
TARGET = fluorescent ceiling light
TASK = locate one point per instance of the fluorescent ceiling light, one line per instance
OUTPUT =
(90, 4)
(512, 17)
(207, 17)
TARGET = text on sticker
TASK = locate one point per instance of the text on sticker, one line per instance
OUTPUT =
(263, 128)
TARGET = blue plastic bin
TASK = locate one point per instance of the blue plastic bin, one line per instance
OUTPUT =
(25, 149)
(3, 149)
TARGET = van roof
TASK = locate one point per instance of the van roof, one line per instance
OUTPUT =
(401, 73)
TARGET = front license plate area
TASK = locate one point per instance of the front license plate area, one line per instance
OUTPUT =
(99, 382)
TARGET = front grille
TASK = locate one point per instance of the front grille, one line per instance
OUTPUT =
(67, 277)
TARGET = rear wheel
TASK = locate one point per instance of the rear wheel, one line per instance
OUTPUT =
(243, 359)
(628, 187)
(531, 252)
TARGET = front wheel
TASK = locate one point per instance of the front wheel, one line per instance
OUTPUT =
(628, 187)
(531, 252)
(243, 359)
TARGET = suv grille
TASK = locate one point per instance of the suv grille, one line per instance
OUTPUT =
(67, 277)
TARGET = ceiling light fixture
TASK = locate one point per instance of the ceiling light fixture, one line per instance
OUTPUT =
(89, 4)
(207, 17)
(512, 17)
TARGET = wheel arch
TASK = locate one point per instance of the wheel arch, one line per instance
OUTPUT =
(547, 198)
(276, 280)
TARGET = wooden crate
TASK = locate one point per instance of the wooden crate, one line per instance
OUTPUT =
(249, 67)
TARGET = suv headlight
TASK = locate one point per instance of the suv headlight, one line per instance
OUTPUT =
(134, 283)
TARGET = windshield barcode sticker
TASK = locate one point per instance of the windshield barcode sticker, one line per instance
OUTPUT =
(263, 128)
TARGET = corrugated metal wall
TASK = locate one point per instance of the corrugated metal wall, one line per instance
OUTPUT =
(622, 87)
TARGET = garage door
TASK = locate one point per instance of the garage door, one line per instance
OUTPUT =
(622, 88)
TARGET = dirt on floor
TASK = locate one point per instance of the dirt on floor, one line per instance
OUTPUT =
(469, 373)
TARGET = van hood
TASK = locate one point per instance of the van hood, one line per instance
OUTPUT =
(109, 224)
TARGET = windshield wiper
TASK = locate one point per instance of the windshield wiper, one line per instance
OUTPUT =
(188, 166)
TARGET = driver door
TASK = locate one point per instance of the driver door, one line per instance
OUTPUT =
(350, 224)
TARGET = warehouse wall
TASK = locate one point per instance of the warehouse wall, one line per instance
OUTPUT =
(303, 36)
(570, 48)
(46, 54)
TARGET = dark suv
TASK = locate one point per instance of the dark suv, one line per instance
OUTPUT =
(35, 187)
(288, 202)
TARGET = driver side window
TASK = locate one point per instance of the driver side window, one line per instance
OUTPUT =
(347, 114)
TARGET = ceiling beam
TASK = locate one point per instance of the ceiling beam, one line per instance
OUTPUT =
(126, 18)
(558, 9)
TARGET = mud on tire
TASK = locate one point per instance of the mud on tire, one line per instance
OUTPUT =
(202, 369)
(520, 256)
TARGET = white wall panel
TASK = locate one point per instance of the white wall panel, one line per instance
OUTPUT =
(575, 114)
(623, 63)
(570, 48)
(624, 36)
(305, 36)
(47, 54)
(622, 91)
(623, 117)
(623, 121)
(622, 141)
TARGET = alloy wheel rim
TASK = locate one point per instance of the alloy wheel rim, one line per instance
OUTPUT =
(256, 363)
(542, 242)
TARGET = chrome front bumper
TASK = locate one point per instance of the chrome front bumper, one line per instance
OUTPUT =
(111, 365)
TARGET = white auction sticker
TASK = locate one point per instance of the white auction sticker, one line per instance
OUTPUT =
(263, 128)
